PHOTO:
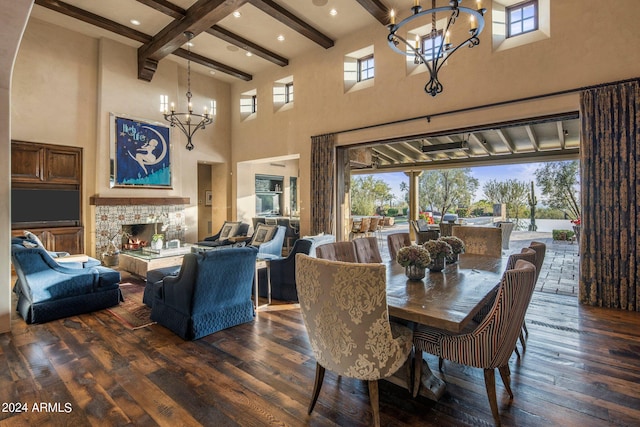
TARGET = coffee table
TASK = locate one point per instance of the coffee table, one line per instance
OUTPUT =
(139, 262)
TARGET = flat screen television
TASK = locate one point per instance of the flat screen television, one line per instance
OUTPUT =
(47, 207)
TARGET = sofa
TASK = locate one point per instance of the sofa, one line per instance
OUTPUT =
(211, 292)
(47, 290)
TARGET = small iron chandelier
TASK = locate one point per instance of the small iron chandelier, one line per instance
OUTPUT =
(188, 122)
(438, 42)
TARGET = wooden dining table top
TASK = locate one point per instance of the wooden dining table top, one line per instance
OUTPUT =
(447, 300)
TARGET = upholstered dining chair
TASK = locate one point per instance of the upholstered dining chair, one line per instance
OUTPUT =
(529, 255)
(396, 241)
(480, 240)
(423, 236)
(361, 228)
(344, 308)
(541, 250)
(367, 250)
(337, 251)
(490, 344)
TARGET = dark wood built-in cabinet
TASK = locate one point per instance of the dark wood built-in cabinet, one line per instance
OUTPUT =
(46, 194)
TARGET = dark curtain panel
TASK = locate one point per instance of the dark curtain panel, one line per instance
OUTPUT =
(323, 167)
(610, 249)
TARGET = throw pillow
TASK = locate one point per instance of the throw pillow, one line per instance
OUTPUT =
(29, 235)
(229, 229)
(263, 233)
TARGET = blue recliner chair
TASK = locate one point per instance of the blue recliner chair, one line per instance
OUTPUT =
(211, 292)
(47, 290)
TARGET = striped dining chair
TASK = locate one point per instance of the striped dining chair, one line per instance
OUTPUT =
(528, 255)
(491, 343)
(541, 250)
(345, 313)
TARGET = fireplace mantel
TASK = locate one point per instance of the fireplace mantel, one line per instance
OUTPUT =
(130, 201)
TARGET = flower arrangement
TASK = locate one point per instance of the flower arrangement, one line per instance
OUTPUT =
(457, 245)
(413, 255)
(438, 248)
(576, 221)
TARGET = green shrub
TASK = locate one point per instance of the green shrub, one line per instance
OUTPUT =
(563, 234)
(392, 212)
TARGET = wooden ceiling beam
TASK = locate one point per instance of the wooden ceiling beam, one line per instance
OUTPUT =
(93, 19)
(561, 135)
(290, 20)
(202, 15)
(506, 140)
(377, 9)
(124, 31)
(176, 12)
(532, 137)
(210, 63)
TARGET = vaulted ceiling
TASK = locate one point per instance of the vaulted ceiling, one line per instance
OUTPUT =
(236, 39)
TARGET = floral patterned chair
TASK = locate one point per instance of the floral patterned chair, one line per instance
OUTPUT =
(480, 240)
(344, 308)
(491, 343)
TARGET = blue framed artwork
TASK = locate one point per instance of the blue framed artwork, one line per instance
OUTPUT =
(141, 155)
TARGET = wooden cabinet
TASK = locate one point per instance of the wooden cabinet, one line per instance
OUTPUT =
(53, 171)
(38, 164)
(58, 239)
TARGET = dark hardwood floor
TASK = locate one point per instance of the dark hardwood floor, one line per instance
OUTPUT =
(581, 367)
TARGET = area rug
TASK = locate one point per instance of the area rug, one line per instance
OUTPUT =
(132, 312)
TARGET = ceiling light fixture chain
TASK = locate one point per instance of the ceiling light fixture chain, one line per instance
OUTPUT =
(440, 41)
(188, 122)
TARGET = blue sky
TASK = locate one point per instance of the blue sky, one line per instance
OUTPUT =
(521, 172)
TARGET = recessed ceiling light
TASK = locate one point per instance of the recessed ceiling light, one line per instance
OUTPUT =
(232, 48)
(237, 14)
(135, 22)
(249, 53)
(280, 38)
(211, 72)
(320, 2)
(333, 12)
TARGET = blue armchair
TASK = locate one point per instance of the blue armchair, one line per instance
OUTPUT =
(47, 290)
(271, 248)
(283, 273)
(211, 292)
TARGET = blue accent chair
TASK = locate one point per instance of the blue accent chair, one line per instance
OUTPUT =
(273, 247)
(218, 240)
(283, 273)
(211, 292)
(47, 290)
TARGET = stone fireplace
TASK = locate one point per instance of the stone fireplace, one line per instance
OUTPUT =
(114, 214)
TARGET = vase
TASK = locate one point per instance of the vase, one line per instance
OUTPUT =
(157, 243)
(437, 264)
(452, 259)
(414, 272)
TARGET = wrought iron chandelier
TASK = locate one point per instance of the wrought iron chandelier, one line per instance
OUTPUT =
(188, 122)
(434, 48)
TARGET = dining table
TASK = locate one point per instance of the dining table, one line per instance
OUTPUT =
(446, 300)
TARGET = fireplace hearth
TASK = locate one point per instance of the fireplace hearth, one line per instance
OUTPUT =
(138, 236)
